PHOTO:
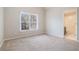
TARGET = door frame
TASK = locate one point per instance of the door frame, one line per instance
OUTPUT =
(76, 21)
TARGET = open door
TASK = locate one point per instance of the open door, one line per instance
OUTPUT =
(70, 24)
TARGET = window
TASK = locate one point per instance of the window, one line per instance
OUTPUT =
(28, 21)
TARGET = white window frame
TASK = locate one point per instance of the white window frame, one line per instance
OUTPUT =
(29, 14)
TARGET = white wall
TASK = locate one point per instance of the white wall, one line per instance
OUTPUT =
(78, 23)
(12, 25)
(52, 18)
(1, 26)
(55, 21)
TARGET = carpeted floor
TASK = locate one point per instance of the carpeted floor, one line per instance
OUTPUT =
(40, 43)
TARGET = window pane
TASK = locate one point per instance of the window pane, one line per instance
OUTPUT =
(24, 22)
(33, 22)
(28, 22)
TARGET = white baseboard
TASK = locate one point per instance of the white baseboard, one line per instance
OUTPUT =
(55, 35)
(76, 40)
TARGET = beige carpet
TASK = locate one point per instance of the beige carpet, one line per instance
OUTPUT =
(40, 43)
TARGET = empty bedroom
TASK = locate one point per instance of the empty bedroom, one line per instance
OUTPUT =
(39, 29)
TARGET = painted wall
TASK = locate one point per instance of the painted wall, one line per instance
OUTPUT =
(12, 23)
(55, 21)
(51, 21)
(1, 26)
(78, 23)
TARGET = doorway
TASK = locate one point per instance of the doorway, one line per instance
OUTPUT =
(70, 24)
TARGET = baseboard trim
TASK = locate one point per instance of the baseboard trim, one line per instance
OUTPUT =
(76, 40)
(61, 37)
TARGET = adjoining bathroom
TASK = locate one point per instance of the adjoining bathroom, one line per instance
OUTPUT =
(70, 24)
